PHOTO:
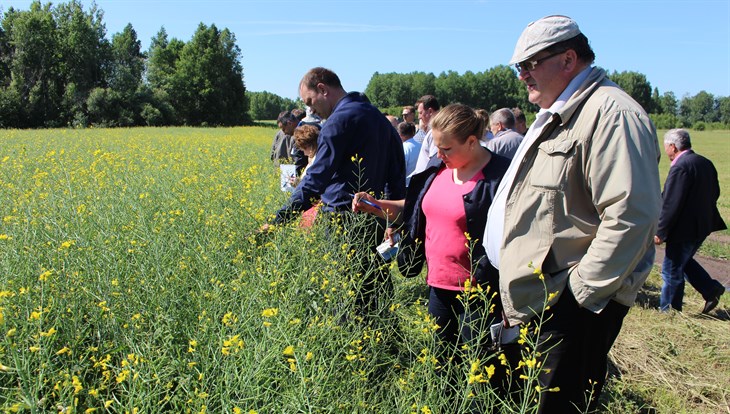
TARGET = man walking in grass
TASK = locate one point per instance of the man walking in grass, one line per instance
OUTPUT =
(689, 215)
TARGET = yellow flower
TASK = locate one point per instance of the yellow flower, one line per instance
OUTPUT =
(268, 313)
(64, 350)
(77, 384)
(288, 351)
(122, 376)
(229, 319)
(67, 244)
(49, 333)
(45, 275)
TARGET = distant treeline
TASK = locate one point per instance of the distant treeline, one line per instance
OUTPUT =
(58, 69)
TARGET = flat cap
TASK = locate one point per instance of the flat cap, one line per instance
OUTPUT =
(543, 33)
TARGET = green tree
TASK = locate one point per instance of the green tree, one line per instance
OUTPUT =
(723, 109)
(35, 80)
(208, 83)
(84, 56)
(668, 103)
(450, 87)
(266, 105)
(698, 108)
(636, 85)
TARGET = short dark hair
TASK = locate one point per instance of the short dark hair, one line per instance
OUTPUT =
(286, 117)
(579, 44)
(429, 101)
(299, 114)
(320, 75)
(407, 129)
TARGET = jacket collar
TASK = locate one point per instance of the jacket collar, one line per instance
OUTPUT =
(595, 77)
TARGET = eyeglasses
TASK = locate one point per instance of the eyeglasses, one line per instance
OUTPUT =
(405, 113)
(529, 65)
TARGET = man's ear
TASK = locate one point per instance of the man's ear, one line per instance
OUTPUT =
(570, 60)
(322, 88)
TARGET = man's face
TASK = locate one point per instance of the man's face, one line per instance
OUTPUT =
(408, 116)
(495, 128)
(289, 127)
(424, 114)
(671, 151)
(316, 99)
(544, 82)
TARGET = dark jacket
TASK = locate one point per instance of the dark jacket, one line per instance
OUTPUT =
(476, 205)
(689, 207)
(357, 150)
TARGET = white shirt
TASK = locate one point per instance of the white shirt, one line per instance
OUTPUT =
(494, 232)
(427, 151)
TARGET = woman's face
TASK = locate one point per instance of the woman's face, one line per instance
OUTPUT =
(309, 151)
(454, 153)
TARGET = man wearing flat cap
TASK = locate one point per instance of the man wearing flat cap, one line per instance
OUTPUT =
(573, 219)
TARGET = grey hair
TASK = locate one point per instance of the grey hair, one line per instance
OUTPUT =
(504, 116)
(679, 137)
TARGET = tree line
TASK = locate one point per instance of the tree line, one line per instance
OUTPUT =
(58, 69)
(499, 87)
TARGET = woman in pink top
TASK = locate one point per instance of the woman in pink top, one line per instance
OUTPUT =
(446, 207)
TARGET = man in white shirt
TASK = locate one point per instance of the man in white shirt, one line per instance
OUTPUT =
(427, 106)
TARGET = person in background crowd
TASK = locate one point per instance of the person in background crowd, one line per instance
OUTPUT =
(408, 114)
(506, 140)
(311, 119)
(444, 214)
(689, 214)
(573, 220)
(393, 120)
(358, 150)
(282, 146)
(299, 114)
(427, 106)
(520, 121)
(407, 130)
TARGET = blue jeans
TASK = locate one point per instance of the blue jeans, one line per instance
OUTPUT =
(679, 265)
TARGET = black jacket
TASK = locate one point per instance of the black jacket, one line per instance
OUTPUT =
(476, 205)
(689, 207)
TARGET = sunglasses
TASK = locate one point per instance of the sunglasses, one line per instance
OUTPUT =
(529, 65)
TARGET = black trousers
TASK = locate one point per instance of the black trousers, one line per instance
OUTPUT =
(575, 344)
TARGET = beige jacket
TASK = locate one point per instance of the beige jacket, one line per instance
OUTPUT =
(584, 205)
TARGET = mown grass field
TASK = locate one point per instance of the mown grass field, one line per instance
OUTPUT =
(131, 281)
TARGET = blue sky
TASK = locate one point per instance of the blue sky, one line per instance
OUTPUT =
(681, 46)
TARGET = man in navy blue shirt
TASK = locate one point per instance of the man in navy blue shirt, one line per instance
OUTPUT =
(358, 150)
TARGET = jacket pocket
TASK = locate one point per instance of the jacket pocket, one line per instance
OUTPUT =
(552, 163)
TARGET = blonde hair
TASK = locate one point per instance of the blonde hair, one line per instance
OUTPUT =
(459, 121)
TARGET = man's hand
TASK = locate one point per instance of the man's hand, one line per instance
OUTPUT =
(363, 201)
(657, 240)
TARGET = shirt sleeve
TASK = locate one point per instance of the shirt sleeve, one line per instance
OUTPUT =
(622, 175)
